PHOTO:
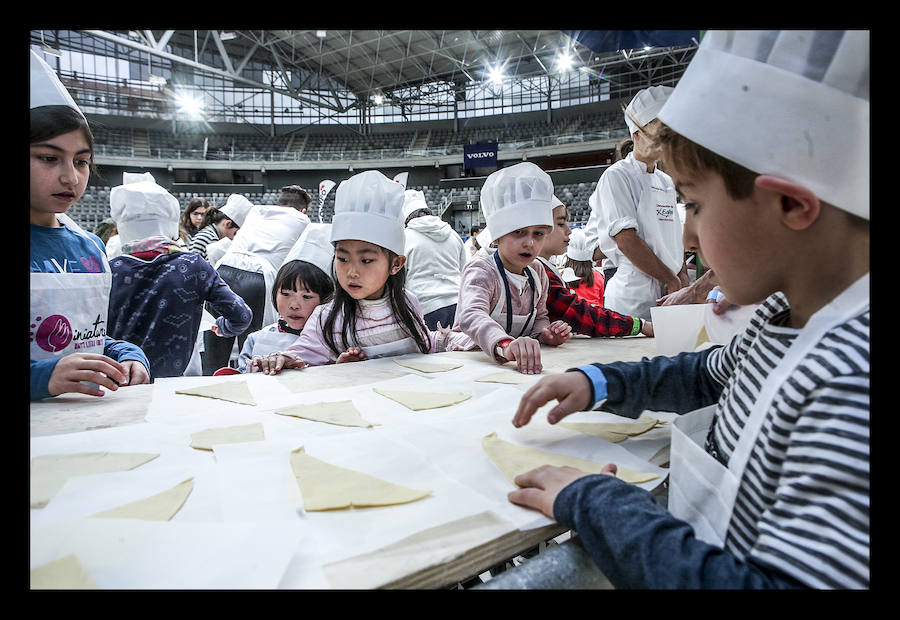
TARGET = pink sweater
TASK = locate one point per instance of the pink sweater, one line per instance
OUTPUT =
(482, 289)
(375, 324)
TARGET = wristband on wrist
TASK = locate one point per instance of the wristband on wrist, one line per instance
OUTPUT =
(638, 325)
(501, 346)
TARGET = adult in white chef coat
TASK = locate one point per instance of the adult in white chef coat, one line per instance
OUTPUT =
(634, 220)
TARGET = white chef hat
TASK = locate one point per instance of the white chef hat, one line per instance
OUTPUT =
(236, 208)
(46, 89)
(568, 275)
(578, 246)
(413, 200)
(556, 202)
(645, 106)
(314, 246)
(142, 209)
(368, 207)
(485, 239)
(791, 103)
(515, 197)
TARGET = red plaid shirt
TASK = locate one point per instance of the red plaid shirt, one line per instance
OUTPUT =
(583, 317)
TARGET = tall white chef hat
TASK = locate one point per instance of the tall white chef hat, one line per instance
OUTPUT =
(791, 103)
(314, 246)
(645, 106)
(46, 89)
(236, 208)
(413, 200)
(515, 197)
(142, 209)
(368, 207)
(578, 246)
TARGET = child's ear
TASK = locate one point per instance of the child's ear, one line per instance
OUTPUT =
(800, 207)
(397, 264)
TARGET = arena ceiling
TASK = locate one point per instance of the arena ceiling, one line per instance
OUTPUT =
(404, 64)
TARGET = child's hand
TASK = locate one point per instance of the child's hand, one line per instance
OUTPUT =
(526, 353)
(71, 370)
(556, 334)
(647, 329)
(272, 363)
(572, 390)
(539, 487)
(215, 329)
(135, 373)
(353, 354)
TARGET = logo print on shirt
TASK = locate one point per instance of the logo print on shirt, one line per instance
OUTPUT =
(54, 333)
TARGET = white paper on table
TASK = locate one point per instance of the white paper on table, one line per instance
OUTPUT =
(133, 554)
(677, 328)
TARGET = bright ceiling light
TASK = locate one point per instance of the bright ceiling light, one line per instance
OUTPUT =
(495, 74)
(378, 99)
(227, 36)
(189, 105)
(320, 34)
(564, 61)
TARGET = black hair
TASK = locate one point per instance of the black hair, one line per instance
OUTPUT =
(214, 215)
(475, 229)
(316, 280)
(49, 121)
(294, 196)
(409, 321)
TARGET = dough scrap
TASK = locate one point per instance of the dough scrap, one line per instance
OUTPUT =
(206, 439)
(417, 401)
(328, 487)
(159, 507)
(614, 431)
(513, 460)
(702, 337)
(66, 573)
(232, 391)
(507, 376)
(428, 366)
(49, 472)
(339, 413)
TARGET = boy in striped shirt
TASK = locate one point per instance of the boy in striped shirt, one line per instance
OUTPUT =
(766, 137)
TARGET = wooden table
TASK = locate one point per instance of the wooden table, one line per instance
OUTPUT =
(75, 413)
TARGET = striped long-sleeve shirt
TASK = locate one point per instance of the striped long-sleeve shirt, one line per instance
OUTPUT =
(801, 516)
(203, 238)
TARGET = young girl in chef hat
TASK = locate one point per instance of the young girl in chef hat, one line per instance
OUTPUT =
(503, 295)
(371, 315)
(70, 276)
(303, 283)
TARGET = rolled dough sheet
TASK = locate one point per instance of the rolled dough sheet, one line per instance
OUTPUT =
(50, 471)
(232, 391)
(513, 460)
(417, 401)
(160, 507)
(428, 366)
(66, 573)
(614, 431)
(328, 487)
(339, 413)
(507, 376)
(206, 439)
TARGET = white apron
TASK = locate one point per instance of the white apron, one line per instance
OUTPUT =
(267, 341)
(702, 491)
(69, 310)
(519, 324)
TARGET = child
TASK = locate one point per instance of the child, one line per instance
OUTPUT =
(767, 138)
(371, 315)
(503, 296)
(565, 305)
(302, 284)
(70, 275)
(580, 258)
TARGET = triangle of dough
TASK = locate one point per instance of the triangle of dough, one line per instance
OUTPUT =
(428, 366)
(206, 439)
(339, 413)
(329, 487)
(507, 376)
(613, 431)
(50, 471)
(702, 337)
(66, 573)
(159, 507)
(513, 460)
(232, 391)
(417, 401)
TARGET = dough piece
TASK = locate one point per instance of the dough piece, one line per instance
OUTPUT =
(329, 487)
(513, 460)
(206, 439)
(507, 376)
(417, 401)
(614, 431)
(339, 413)
(232, 391)
(50, 472)
(428, 366)
(702, 337)
(159, 507)
(66, 573)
